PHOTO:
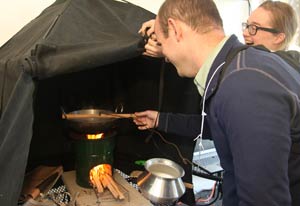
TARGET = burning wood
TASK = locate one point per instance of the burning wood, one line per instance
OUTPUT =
(101, 178)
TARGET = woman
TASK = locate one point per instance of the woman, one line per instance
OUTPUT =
(273, 24)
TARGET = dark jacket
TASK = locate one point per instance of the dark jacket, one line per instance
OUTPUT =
(253, 117)
(292, 57)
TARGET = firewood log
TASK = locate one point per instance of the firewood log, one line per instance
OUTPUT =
(98, 184)
(107, 184)
(107, 169)
(115, 186)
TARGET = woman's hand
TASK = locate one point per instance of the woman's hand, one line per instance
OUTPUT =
(146, 119)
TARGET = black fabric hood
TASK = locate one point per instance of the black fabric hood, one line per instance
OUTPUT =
(74, 35)
(78, 54)
(67, 37)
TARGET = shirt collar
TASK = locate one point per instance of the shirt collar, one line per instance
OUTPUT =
(200, 79)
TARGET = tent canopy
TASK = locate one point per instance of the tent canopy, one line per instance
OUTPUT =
(77, 54)
(69, 36)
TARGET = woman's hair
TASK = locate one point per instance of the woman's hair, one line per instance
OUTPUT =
(283, 19)
(200, 15)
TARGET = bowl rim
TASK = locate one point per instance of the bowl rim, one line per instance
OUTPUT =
(164, 162)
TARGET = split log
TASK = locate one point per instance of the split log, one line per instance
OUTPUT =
(103, 179)
(106, 183)
(96, 182)
(114, 185)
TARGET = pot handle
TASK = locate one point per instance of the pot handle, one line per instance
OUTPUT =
(119, 108)
(64, 114)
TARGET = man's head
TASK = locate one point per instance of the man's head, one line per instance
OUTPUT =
(181, 25)
(201, 15)
(278, 21)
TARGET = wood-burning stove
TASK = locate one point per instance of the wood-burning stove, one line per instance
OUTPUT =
(93, 152)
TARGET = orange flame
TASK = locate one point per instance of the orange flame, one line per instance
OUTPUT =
(100, 170)
(95, 136)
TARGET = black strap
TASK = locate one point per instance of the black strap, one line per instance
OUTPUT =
(233, 52)
(160, 95)
(295, 147)
(291, 57)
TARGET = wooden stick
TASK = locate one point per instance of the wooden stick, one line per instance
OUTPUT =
(95, 179)
(105, 182)
(118, 115)
(113, 183)
(84, 116)
(107, 169)
(98, 184)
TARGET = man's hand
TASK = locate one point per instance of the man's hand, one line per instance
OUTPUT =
(152, 47)
(147, 28)
(146, 119)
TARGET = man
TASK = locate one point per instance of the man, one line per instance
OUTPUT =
(253, 113)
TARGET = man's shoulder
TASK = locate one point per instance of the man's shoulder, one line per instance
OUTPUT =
(261, 57)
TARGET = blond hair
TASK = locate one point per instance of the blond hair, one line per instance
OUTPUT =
(283, 19)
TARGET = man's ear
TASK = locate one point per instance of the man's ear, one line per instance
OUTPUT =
(175, 29)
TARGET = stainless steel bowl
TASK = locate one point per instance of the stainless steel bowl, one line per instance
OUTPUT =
(161, 182)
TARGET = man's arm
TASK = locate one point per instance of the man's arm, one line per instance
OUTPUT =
(180, 124)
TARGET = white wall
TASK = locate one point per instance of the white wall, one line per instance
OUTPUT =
(14, 14)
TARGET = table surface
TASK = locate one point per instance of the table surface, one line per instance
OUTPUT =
(87, 196)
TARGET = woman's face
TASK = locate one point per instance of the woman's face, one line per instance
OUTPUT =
(261, 18)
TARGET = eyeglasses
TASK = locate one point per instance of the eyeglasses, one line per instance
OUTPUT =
(252, 29)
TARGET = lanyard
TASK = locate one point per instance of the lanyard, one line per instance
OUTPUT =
(203, 114)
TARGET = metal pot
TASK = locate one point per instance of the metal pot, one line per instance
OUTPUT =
(90, 124)
(161, 183)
